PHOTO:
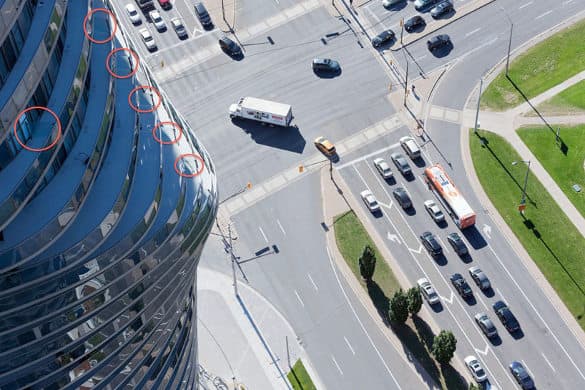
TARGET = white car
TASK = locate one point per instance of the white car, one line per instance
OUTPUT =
(147, 39)
(475, 368)
(158, 21)
(428, 291)
(370, 201)
(133, 14)
(434, 211)
(383, 167)
(389, 3)
(179, 28)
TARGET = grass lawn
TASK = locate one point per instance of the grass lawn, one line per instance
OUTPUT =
(548, 236)
(416, 335)
(571, 100)
(540, 68)
(299, 378)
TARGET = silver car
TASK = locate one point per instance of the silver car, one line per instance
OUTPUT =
(486, 325)
(383, 167)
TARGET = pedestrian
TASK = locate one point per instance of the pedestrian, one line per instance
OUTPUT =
(412, 86)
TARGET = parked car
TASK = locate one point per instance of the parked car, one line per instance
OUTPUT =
(479, 278)
(133, 14)
(179, 28)
(475, 369)
(461, 285)
(486, 325)
(421, 5)
(326, 64)
(410, 147)
(438, 41)
(230, 47)
(428, 291)
(441, 9)
(383, 168)
(383, 37)
(325, 146)
(521, 375)
(400, 161)
(370, 201)
(147, 39)
(413, 23)
(402, 197)
(158, 21)
(506, 317)
(457, 244)
(165, 4)
(434, 211)
(431, 244)
(390, 3)
(203, 15)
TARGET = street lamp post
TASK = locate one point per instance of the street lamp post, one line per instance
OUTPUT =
(476, 125)
(509, 40)
(523, 200)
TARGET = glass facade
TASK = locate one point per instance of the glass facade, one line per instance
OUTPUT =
(100, 236)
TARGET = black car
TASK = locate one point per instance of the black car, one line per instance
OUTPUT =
(401, 163)
(431, 244)
(203, 15)
(325, 64)
(402, 197)
(441, 9)
(413, 23)
(229, 46)
(506, 317)
(457, 243)
(521, 375)
(438, 41)
(461, 286)
(382, 38)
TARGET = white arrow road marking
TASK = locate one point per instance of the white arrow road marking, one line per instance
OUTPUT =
(484, 352)
(393, 237)
(450, 300)
(388, 206)
(419, 250)
(487, 230)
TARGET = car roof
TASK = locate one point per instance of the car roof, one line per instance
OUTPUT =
(499, 305)
(130, 7)
(144, 32)
(176, 21)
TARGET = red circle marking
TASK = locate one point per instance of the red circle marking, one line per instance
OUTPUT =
(191, 174)
(174, 124)
(135, 108)
(110, 71)
(110, 14)
(46, 147)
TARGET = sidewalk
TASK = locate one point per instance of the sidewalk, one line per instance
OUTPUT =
(238, 339)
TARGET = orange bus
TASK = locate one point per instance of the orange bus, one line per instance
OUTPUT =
(459, 209)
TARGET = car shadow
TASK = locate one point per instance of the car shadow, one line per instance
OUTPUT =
(466, 258)
(418, 29)
(443, 51)
(236, 57)
(437, 307)
(489, 292)
(441, 260)
(409, 177)
(474, 237)
(419, 162)
(496, 340)
(471, 301)
(398, 6)
(386, 45)
(517, 335)
(390, 180)
(410, 211)
(443, 224)
(378, 214)
(327, 74)
(446, 15)
(289, 138)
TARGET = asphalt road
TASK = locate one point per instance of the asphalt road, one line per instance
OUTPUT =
(544, 344)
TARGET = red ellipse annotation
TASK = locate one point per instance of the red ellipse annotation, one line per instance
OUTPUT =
(46, 147)
(189, 175)
(110, 14)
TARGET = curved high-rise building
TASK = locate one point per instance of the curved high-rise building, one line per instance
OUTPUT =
(106, 200)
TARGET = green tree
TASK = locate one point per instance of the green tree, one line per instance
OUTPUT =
(444, 346)
(473, 386)
(367, 262)
(415, 300)
(398, 307)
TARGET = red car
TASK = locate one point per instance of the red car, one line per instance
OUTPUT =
(165, 4)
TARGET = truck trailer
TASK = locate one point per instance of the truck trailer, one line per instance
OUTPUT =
(263, 111)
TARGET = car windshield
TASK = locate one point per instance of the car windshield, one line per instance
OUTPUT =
(479, 372)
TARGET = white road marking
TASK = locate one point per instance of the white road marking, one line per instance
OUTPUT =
(482, 302)
(472, 32)
(352, 162)
(263, 235)
(487, 230)
(543, 15)
(501, 295)
(536, 311)
(280, 226)
(299, 298)
(485, 351)
(336, 365)
(393, 237)
(450, 300)
(313, 282)
(360, 321)
(419, 250)
(349, 345)
(525, 5)
(528, 369)
(385, 205)
(443, 244)
(420, 58)
(568, 2)
(548, 362)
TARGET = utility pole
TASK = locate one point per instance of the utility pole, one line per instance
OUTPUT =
(523, 200)
(233, 257)
(509, 40)
(406, 83)
(477, 110)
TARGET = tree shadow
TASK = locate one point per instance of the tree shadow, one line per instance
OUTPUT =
(380, 300)
(453, 379)
(486, 144)
(562, 145)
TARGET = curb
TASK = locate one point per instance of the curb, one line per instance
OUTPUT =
(450, 21)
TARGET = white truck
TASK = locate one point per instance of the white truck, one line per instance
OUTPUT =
(263, 111)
